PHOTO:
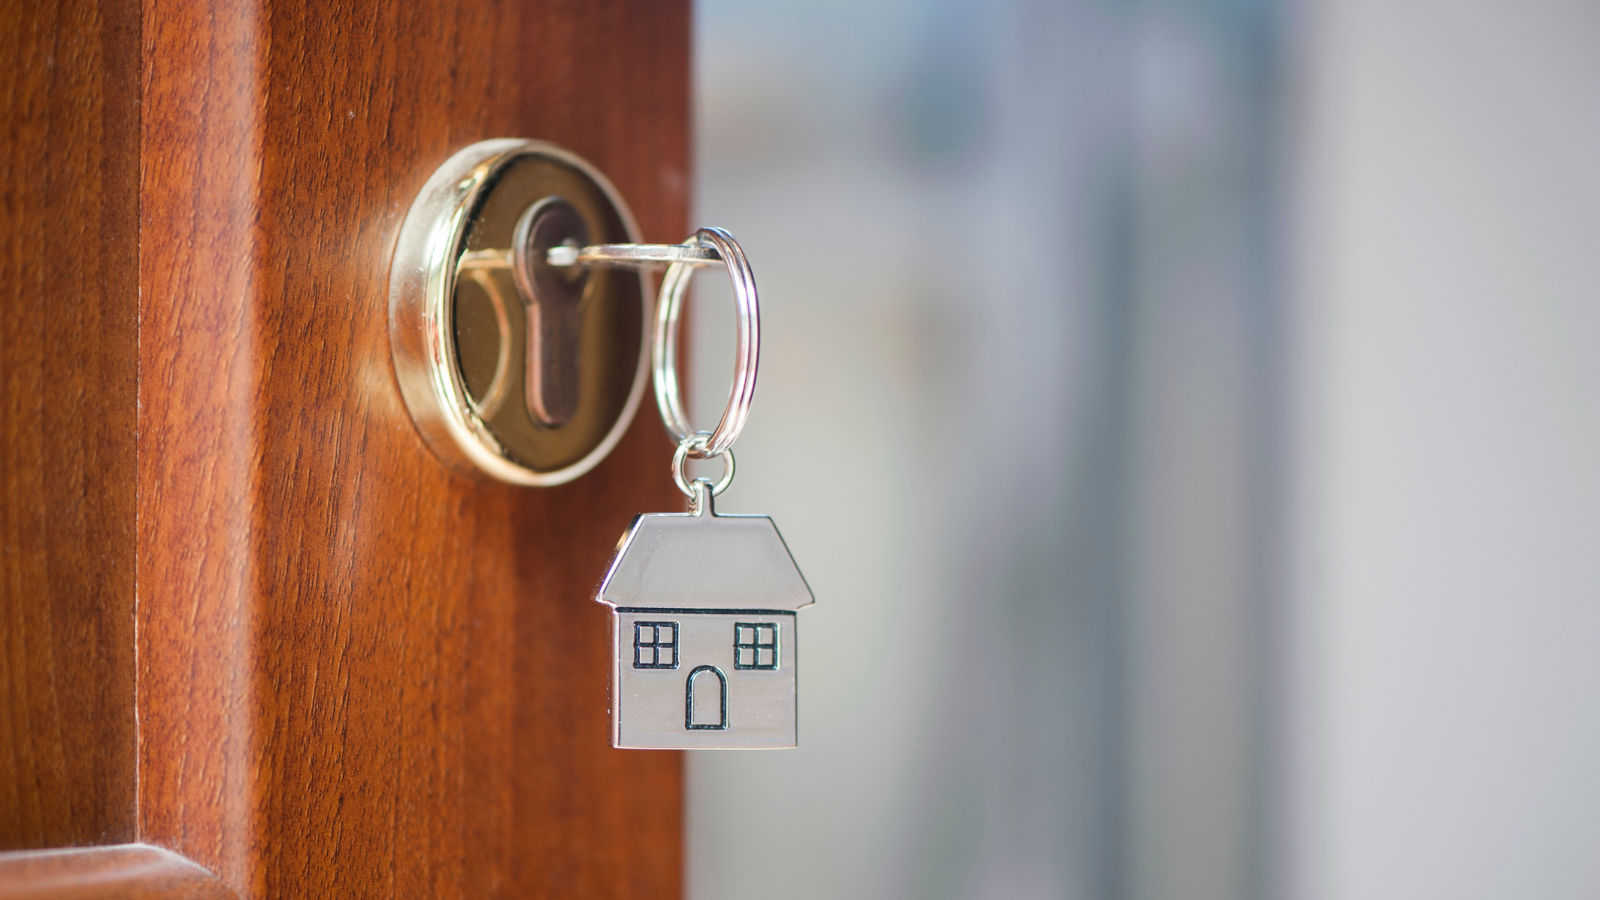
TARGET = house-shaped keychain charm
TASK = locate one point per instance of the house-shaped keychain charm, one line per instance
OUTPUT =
(703, 631)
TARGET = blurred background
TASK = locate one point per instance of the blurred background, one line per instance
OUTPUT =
(1187, 415)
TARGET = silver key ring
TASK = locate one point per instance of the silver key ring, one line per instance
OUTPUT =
(747, 348)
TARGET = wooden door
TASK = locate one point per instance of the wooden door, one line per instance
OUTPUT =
(254, 638)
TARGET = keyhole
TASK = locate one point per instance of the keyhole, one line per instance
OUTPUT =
(553, 297)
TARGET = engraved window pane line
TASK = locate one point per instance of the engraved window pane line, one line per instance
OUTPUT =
(755, 645)
(655, 645)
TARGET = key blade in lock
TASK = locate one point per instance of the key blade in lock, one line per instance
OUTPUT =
(553, 298)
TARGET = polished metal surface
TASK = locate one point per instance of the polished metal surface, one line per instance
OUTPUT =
(488, 406)
(606, 256)
(643, 256)
(484, 344)
(696, 593)
(680, 461)
(747, 349)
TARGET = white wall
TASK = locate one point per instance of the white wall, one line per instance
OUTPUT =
(1447, 675)
(916, 187)
(1029, 417)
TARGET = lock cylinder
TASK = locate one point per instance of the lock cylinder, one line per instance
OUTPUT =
(514, 368)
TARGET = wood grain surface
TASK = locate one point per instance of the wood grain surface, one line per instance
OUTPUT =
(358, 674)
(354, 674)
(122, 872)
(68, 343)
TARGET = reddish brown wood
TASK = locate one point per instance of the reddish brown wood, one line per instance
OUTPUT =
(123, 872)
(359, 675)
(69, 283)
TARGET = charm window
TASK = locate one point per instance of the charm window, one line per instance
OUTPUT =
(655, 645)
(755, 645)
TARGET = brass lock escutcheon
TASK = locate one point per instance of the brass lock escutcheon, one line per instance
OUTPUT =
(511, 366)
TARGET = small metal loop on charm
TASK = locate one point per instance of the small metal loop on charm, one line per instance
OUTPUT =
(686, 449)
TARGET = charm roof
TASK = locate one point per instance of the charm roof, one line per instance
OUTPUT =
(703, 561)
